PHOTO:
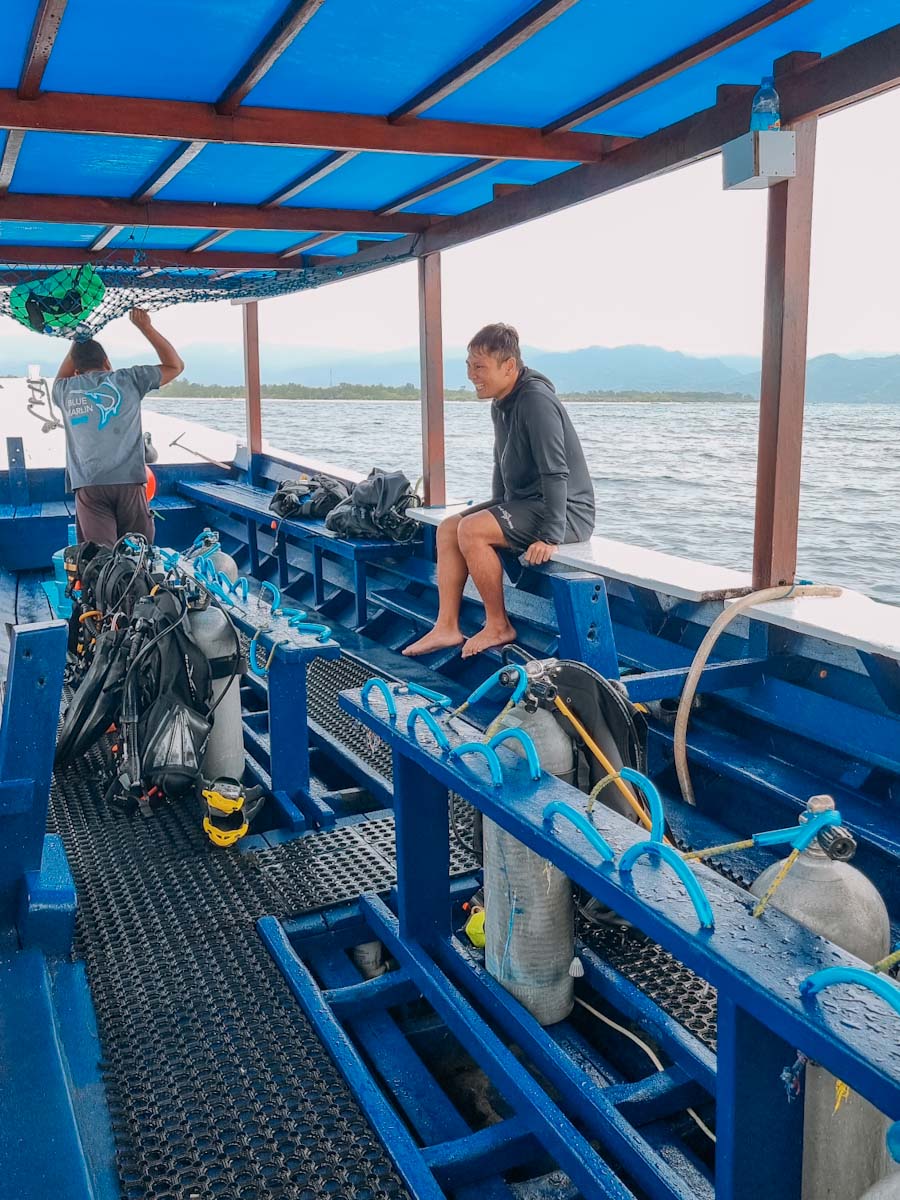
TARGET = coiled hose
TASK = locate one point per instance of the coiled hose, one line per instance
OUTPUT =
(715, 631)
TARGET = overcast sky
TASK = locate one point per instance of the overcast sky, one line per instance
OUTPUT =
(675, 262)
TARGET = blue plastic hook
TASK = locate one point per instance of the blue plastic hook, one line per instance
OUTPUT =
(486, 752)
(493, 680)
(654, 801)
(422, 714)
(265, 587)
(525, 741)
(416, 689)
(799, 837)
(308, 628)
(240, 586)
(556, 808)
(252, 665)
(379, 685)
(881, 985)
(673, 859)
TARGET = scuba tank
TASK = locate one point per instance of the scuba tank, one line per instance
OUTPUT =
(843, 1135)
(214, 634)
(206, 545)
(529, 925)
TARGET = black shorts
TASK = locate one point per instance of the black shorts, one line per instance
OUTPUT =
(521, 522)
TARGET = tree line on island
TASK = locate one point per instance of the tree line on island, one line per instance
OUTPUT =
(184, 389)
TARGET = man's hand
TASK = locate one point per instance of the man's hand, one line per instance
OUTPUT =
(539, 552)
(141, 318)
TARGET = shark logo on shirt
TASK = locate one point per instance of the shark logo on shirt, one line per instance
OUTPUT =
(107, 406)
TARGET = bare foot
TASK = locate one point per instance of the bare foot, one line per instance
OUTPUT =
(487, 638)
(435, 639)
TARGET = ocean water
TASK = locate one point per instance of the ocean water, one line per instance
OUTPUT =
(675, 477)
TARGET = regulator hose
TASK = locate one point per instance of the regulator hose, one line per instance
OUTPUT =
(705, 649)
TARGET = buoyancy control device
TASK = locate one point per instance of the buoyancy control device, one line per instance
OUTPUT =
(843, 1135)
(161, 675)
(529, 903)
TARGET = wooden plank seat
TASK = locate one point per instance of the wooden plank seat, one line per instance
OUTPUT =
(251, 504)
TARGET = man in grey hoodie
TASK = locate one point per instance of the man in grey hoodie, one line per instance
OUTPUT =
(541, 496)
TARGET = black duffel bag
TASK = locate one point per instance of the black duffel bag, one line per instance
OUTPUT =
(377, 508)
(314, 497)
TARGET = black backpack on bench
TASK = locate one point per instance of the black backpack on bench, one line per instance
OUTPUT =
(314, 497)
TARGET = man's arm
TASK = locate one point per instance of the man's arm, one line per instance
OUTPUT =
(548, 447)
(66, 369)
(170, 364)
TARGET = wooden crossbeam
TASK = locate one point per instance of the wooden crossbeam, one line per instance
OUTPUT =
(175, 163)
(715, 43)
(171, 214)
(321, 171)
(151, 260)
(190, 121)
(295, 17)
(309, 244)
(109, 234)
(14, 140)
(511, 38)
(211, 239)
(40, 46)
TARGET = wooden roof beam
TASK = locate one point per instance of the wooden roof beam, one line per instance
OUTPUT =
(295, 18)
(321, 171)
(151, 260)
(13, 145)
(309, 244)
(109, 234)
(511, 38)
(171, 214)
(175, 163)
(715, 43)
(427, 190)
(191, 121)
(46, 25)
(211, 239)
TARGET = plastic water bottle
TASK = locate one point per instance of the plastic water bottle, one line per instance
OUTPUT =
(766, 110)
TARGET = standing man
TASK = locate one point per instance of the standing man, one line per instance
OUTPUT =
(104, 440)
(542, 494)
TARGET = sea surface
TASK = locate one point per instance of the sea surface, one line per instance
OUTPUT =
(677, 477)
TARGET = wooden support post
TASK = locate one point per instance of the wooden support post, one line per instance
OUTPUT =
(251, 376)
(431, 357)
(783, 381)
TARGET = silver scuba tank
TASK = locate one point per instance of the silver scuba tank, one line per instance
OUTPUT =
(529, 919)
(224, 564)
(843, 1135)
(224, 757)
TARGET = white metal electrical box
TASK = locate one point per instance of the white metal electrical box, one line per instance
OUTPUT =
(759, 158)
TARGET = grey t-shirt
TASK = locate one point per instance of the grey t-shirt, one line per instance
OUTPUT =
(102, 414)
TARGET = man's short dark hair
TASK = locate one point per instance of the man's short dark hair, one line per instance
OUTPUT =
(88, 356)
(502, 341)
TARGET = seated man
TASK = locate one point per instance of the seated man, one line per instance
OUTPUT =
(542, 493)
(104, 441)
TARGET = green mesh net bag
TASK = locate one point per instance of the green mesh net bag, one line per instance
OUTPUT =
(59, 303)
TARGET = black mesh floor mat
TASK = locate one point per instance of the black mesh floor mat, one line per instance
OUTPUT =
(217, 1084)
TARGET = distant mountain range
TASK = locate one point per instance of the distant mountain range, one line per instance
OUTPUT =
(830, 377)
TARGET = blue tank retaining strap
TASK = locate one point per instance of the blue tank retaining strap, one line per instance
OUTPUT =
(653, 798)
(525, 741)
(169, 559)
(673, 859)
(416, 689)
(799, 837)
(240, 586)
(582, 824)
(422, 714)
(486, 753)
(265, 587)
(291, 614)
(493, 680)
(893, 1141)
(881, 985)
(379, 685)
(301, 625)
(252, 665)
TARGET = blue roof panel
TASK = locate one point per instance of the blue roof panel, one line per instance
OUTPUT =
(78, 164)
(37, 233)
(472, 193)
(18, 18)
(581, 54)
(369, 56)
(825, 26)
(140, 237)
(177, 51)
(239, 174)
(345, 243)
(370, 181)
(262, 241)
